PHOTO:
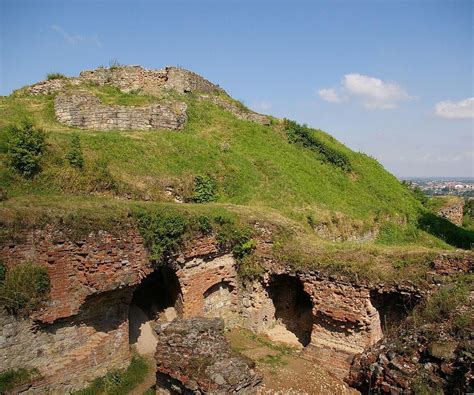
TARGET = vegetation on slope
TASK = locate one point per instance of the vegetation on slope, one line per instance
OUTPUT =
(301, 173)
(253, 164)
(11, 378)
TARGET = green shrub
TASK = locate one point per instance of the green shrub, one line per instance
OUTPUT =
(306, 137)
(25, 147)
(119, 382)
(55, 76)
(74, 155)
(242, 249)
(12, 378)
(205, 189)
(203, 224)
(233, 237)
(25, 286)
(162, 232)
(444, 303)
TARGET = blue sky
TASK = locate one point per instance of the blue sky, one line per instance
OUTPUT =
(393, 79)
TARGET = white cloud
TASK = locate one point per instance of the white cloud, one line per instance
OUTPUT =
(455, 110)
(70, 38)
(373, 93)
(262, 106)
(74, 38)
(330, 95)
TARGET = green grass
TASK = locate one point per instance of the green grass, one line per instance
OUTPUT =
(259, 168)
(119, 382)
(12, 378)
(55, 76)
(250, 165)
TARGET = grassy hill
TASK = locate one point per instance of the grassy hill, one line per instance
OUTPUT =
(237, 163)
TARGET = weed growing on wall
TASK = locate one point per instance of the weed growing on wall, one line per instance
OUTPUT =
(162, 231)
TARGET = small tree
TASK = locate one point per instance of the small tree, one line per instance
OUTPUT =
(26, 144)
(74, 155)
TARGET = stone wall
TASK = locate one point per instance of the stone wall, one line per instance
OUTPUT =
(345, 322)
(97, 263)
(452, 209)
(137, 78)
(85, 323)
(129, 78)
(86, 111)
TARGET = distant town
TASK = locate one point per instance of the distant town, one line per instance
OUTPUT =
(462, 186)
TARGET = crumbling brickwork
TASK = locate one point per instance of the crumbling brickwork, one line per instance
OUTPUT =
(82, 332)
(198, 277)
(192, 356)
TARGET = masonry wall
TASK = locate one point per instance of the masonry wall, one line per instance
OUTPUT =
(199, 278)
(344, 320)
(83, 330)
(87, 112)
(69, 353)
(128, 78)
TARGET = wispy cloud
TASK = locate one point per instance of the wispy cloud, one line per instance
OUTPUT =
(455, 110)
(75, 38)
(373, 93)
(68, 37)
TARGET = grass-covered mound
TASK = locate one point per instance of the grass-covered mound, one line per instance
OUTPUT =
(284, 168)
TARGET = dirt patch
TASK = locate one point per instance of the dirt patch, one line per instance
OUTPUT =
(283, 369)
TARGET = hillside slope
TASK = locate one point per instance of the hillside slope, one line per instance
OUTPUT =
(219, 154)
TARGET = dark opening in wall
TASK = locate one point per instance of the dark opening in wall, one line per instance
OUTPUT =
(158, 296)
(293, 306)
(393, 307)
